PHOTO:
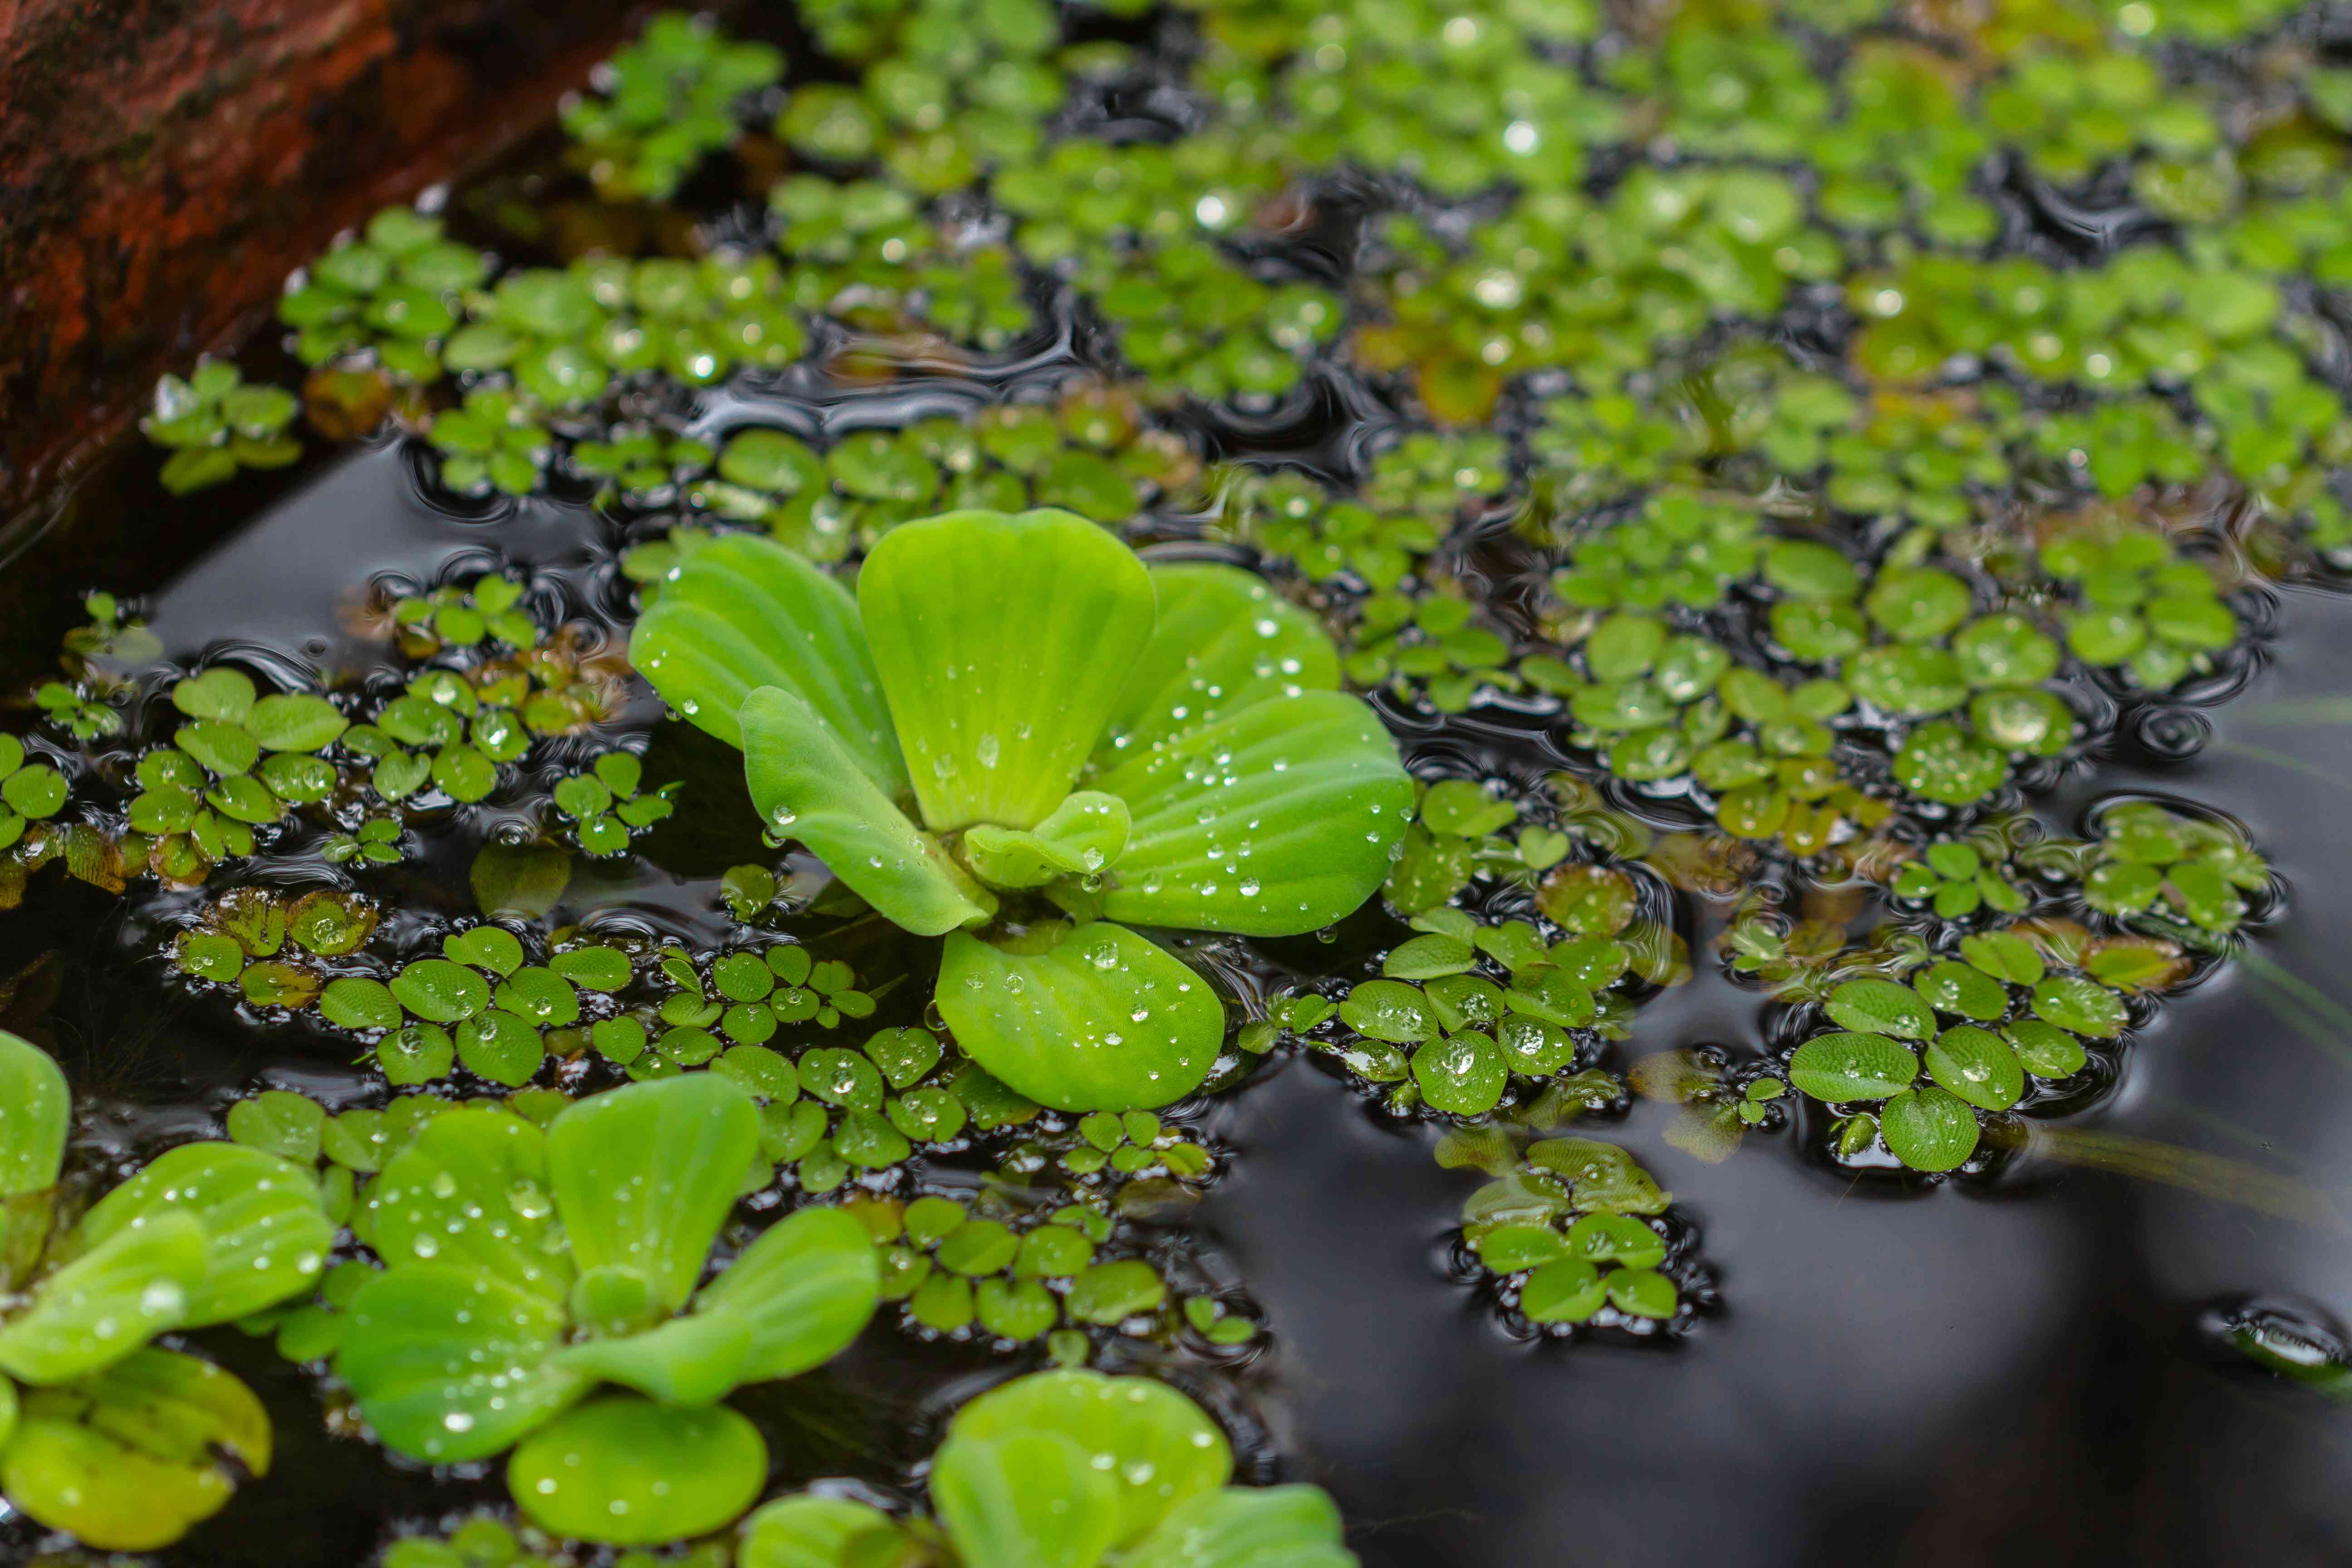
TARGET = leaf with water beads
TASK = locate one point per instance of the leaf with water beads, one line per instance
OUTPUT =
(1273, 821)
(1978, 1065)
(1882, 1007)
(1157, 1445)
(1223, 641)
(472, 1191)
(1928, 1129)
(645, 1175)
(2083, 1006)
(1101, 1019)
(1083, 836)
(744, 613)
(805, 784)
(1851, 1067)
(1045, 619)
(266, 1237)
(1028, 1498)
(108, 1302)
(628, 1472)
(802, 1292)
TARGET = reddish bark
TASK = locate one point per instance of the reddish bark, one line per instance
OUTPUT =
(164, 164)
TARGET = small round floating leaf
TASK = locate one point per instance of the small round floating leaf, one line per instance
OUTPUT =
(1958, 988)
(38, 791)
(1640, 1292)
(1978, 1065)
(486, 947)
(2081, 1006)
(626, 1471)
(1590, 901)
(1851, 1067)
(1388, 1010)
(1103, 1020)
(594, 968)
(2046, 1050)
(2005, 956)
(1882, 1007)
(1463, 1075)
(1110, 1293)
(295, 723)
(1568, 1290)
(440, 992)
(416, 1054)
(500, 1047)
(355, 1001)
(1616, 1238)
(1157, 1447)
(1507, 1248)
(221, 694)
(1928, 1129)
(289, 1126)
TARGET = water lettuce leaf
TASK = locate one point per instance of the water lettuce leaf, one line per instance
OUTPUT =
(450, 1366)
(1002, 642)
(1223, 641)
(1101, 1019)
(108, 1302)
(627, 1472)
(471, 1189)
(743, 613)
(36, 1112)
(645, 1175)
(265, 1236)
(1274, 821)
(805, 786)
(1084, 836)
(1159, 1446)
(133, 1458)
(1024, 1499)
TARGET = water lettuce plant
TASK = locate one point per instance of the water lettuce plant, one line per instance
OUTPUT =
(1091, 745)
(526, 1270)
(125, 1445)
(1068, 1470)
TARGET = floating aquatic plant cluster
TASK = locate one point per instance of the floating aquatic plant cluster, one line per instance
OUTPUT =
(1726, 417)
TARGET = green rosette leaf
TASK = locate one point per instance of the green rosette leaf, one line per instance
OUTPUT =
(133, 1458)
(265, 1236)
(1159, 1445)
(624, 1472)
(1247, 1527)
(816, 1532)
(108, 1302)
(1225, 640)
(1025, 1500)
(450, 1366)
(804, 1290)
(1275, 821)
(1003, 641)
(645, 1175)
(1091, 1017)
(806, 785)
(36, 1114)
(1083, 836)
(686, 1361)
(743, 613)
(472, 1190)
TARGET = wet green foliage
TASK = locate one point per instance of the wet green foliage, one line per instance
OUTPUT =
(1571, 1231)
(1069, 1467)
(125, 1446)
(216, 425)
(664, 103)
